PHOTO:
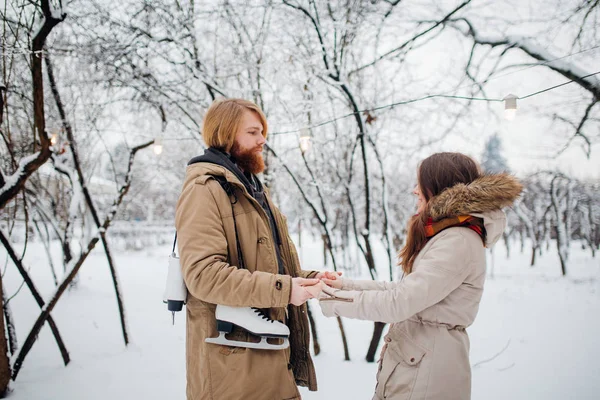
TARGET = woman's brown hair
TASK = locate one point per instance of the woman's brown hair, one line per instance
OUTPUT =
(435, 174)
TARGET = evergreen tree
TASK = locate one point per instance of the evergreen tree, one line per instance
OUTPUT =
(492, 160)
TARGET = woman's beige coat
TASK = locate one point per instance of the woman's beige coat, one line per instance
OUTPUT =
(426, 351)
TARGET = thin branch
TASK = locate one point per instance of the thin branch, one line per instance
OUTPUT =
(410, 41)
(85, 191)
(36, 295)
(28, 165)
(477, 364)
(567, 70)
(317, 30)
(579, 131)
(75, 266)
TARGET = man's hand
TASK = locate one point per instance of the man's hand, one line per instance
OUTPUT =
(315, 290)
(299, 293)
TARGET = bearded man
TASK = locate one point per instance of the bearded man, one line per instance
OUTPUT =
(235, 250)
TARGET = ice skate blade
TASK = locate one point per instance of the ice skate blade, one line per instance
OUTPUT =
(262, 345)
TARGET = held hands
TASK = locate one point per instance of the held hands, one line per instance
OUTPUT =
(330, 279)
(300, 290)
(328, 275)
(304, 289)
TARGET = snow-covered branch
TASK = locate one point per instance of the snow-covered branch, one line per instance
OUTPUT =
(569, 70)
(29, 164)
(407, 44)
(75, 264)
(36, 295)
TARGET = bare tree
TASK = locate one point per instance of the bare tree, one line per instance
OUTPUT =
(11, 185)
(560, 204)
(75, 265)
(579, 22)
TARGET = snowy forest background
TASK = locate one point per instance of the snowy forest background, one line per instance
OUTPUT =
(102, 104)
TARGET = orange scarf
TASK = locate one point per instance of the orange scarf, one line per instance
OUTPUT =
(468, 221)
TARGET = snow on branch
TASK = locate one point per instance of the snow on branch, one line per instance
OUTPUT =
(322, 218)
(74, 265)
(29, 164)
(36, 295)
(14, 182)
(567, 69)
(410, 42)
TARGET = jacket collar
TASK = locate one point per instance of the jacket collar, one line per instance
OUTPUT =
(215, 156)
(487, 193)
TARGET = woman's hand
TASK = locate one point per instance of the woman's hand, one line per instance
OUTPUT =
(328, 275)
(330, 278)
(334, 283)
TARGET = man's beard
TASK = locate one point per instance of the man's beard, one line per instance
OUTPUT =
(248, 160)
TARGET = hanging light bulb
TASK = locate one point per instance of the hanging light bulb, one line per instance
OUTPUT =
(305, 137)
(510, 107)
(54, 139)
(158, 146)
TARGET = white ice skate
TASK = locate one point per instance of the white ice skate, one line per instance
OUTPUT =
(252, 320)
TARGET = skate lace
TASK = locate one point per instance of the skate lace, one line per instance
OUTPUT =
(262, 314)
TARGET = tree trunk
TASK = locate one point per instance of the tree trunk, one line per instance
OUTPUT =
(74, 268)
(344, 340)
(313, 331)
(9, 321)
(86, 193)
(4, 362)
(325, 249)
(562, 242)
(36, 295)
(115, 279)
(28, 165)
(522, 241)
(377, 332)
(506, 238)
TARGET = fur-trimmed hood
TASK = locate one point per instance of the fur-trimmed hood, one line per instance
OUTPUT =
(484, 198)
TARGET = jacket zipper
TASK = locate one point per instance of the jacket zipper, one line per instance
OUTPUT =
(335, 298)
(261, 211)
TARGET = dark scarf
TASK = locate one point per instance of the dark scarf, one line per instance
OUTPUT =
(468, 221)
(216, 156)
(252, 185)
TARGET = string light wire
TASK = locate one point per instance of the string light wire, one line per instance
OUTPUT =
(426, 98)
(21, 50)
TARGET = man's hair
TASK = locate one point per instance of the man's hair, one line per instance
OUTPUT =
(222, 121)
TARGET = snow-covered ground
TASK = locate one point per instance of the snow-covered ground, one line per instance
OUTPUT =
(537, 335)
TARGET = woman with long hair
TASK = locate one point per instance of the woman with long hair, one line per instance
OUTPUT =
(426, 350)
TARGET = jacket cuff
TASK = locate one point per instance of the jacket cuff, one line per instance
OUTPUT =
(347, 284)
(309, 274)
(282, 292)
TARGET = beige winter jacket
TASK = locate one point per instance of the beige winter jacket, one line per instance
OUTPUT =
(208, 257)
(426, 350)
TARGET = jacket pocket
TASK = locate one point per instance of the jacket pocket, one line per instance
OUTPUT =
(400, 366)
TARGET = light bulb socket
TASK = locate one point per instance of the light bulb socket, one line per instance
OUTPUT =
(510, 102)
(158, 146)
(305, 139)
(305, 143)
